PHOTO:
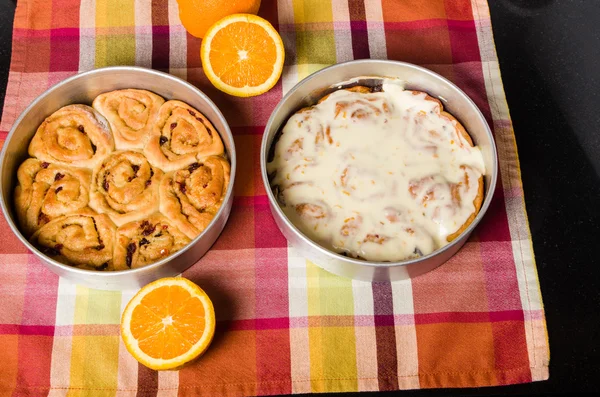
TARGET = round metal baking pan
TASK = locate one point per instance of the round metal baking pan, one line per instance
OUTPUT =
(371, 72)
(83, 88)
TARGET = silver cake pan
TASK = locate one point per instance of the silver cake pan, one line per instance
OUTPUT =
(370, 72)
(83, 88)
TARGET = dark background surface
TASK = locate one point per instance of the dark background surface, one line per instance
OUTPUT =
(549, 53)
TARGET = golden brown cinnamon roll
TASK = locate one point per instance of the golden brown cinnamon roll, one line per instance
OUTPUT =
(143, 242)
(83, 239)
(46, 191)
(125, 187)
(73, 135)
(181, 136)
(191, 197)
(131, 114)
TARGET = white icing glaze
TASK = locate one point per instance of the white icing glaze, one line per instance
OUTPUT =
(381, 176)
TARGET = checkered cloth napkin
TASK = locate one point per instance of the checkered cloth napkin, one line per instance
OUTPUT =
(284, 325)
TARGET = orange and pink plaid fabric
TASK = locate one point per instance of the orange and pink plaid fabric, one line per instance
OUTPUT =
(284, 325)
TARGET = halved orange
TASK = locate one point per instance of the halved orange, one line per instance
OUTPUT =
(242, 55)
(168, 323)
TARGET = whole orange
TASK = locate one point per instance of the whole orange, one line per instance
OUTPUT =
(198, 15)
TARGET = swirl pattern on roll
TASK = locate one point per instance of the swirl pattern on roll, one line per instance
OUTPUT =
(83, 239)
(191, 197)
(181, 136)
(46, 191)
(73, 135)
(131, 114)
(427, 191)
(147, 241)
(125, 187)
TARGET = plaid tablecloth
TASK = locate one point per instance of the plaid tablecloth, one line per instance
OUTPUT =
(284, 325)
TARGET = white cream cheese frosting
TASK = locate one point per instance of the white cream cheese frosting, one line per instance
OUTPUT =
(382, 176)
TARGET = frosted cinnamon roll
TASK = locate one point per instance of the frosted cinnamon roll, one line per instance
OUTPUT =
(143, 242)
(191, 197)
(381, 175)
(73, 135)
(429, 194)
(181, 136)
(125, 187)
(131, 114)
(83, 239)
(46, 191)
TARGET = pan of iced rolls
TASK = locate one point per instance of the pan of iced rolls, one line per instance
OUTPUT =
(378, 178)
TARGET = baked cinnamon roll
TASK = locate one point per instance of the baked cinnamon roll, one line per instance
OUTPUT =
(131, 114)
(125, 187)
(181, 136)
(73, 135)
(143, 242)
(430, 193)
(83, 239)
(46, 191)
(191, 197)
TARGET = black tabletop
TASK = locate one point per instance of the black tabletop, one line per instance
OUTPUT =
(549, 53)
